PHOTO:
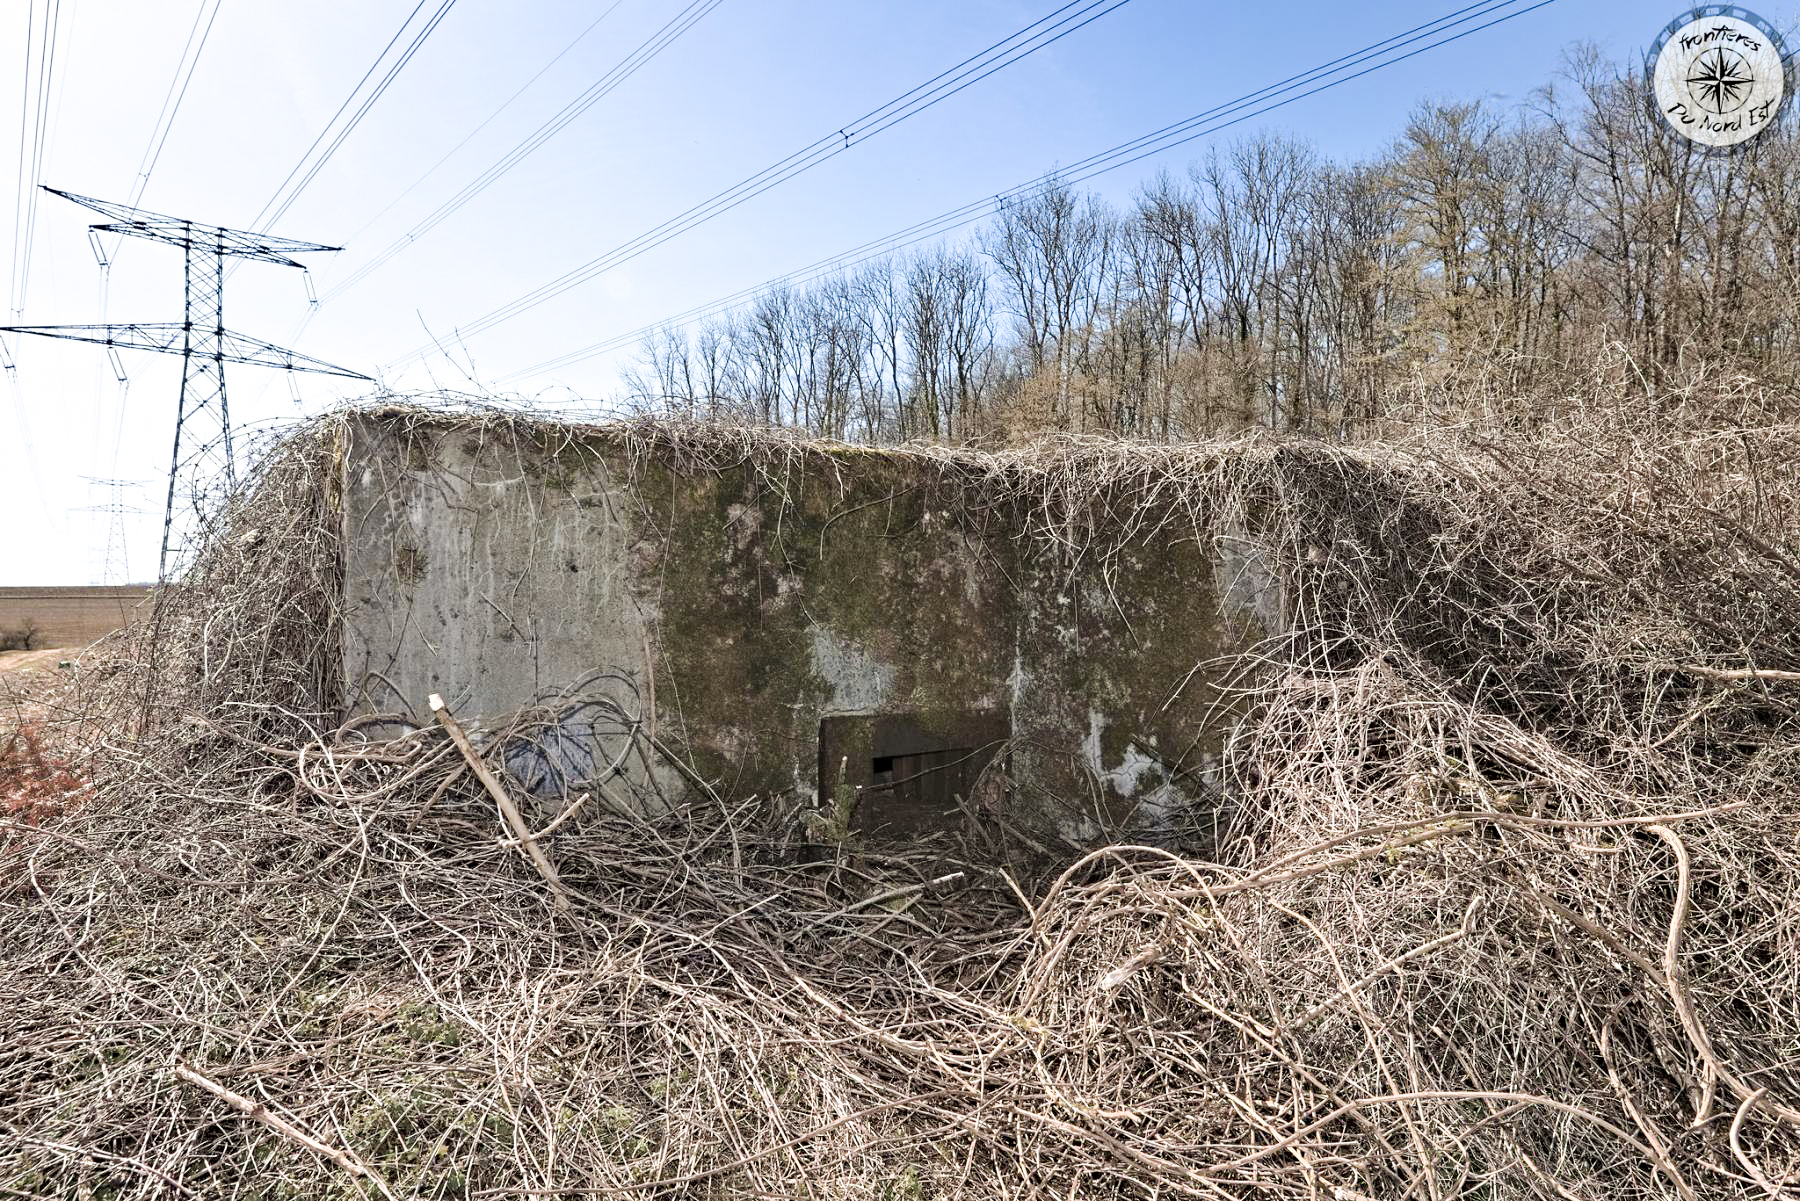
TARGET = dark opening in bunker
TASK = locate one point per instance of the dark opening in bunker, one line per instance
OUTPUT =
(911, 767)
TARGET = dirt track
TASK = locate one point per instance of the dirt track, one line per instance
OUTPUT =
(26, 679)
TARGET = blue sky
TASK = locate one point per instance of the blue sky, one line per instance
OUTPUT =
(750, 82)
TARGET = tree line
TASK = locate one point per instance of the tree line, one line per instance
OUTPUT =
(1268, 286)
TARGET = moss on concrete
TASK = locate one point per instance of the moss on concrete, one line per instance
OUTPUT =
(818, 581)
(752, 576)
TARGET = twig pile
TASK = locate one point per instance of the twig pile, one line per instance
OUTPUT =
(1503, 905)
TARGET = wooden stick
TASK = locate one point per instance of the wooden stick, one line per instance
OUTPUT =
(287, 1130)
(1739, 673)
(892, 894)
(508, 810)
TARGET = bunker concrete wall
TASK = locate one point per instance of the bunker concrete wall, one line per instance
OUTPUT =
(743, 606)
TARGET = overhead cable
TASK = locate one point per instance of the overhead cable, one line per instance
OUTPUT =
(20, 199)
(468, 137)
(1338, 71)
(171, 105)
(620, 72)
(1014, 48)
(312, 309)
(309, 166)
(35, 113)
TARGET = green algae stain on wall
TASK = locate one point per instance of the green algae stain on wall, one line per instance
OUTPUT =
(896, 575)
(733, 664)
(757, 600)
(781, 603)
(1120, 700)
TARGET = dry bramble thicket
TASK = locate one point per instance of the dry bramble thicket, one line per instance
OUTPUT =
(1502, 906)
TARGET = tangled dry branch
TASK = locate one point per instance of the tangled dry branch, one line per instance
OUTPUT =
(1502, 906)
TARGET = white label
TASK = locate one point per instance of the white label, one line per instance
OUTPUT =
(1719, 80)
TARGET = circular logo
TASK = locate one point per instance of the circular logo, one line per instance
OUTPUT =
(1720, 75)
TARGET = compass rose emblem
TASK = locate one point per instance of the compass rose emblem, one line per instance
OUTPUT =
(1719, 75)
(1721, 81)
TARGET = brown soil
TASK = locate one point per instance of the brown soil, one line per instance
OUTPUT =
(27, 680)
(69, 616)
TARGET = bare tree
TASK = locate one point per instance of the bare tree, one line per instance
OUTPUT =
(1052, 249)
(1442, 169)
(882, 315)
(1267, 287)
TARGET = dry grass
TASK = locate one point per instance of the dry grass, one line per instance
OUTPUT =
(1503, 907)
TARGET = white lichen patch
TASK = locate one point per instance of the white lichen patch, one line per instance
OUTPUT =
(1128, 775)
(1250, 586)
(859, 682)
(742, 522)
(1136, 776)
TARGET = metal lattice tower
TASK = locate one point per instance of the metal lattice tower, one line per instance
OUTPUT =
(201, 468)
(116, 566)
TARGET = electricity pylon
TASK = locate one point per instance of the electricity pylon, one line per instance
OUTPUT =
(116, 567)
(201, 469)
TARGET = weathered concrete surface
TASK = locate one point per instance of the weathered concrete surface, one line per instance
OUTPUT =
(489, 570)
(473, 569)
(744, 608)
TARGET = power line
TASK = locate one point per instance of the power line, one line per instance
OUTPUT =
(62, 88)
(33, 121)
(468, 137)
(340, 112)
(619, 73)
(40, 122)
(312, 310)
(1219, 117)
(1004, 53)
(40, 140)
(1083, 169)
(35, 113)
(279, 204)
(171, 105)
(20, 199)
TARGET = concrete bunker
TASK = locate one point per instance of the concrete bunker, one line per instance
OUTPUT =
(780, 613)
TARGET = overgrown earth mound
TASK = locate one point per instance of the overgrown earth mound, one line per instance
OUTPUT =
(1501, 904)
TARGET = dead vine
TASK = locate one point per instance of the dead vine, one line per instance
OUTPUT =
(1502, 906)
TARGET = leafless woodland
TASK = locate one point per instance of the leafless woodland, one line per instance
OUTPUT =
(1488, 254)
